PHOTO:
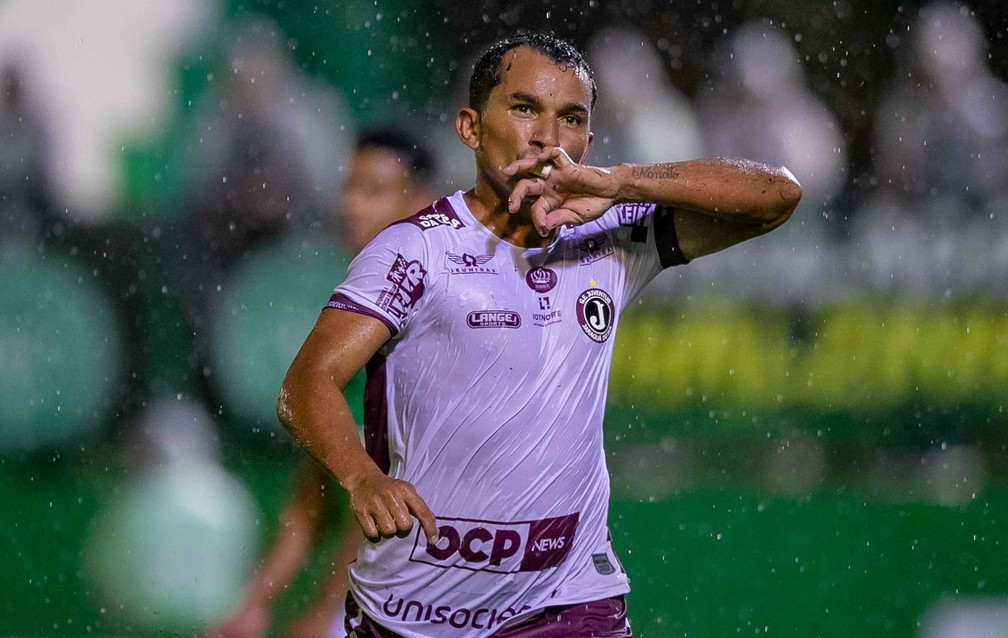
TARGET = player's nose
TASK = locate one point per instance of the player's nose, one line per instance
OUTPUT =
(546, 132)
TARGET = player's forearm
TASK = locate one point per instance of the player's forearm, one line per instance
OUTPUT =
(736, 190)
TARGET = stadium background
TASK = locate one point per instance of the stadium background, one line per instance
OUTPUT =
(818, 449)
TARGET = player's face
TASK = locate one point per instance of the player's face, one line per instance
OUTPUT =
(378, 191)
(538, 103)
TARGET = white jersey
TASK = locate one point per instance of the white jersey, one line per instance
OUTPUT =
(489, 399)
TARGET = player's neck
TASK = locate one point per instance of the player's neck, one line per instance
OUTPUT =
(491, 209)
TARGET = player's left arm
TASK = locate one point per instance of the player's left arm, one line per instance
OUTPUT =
(718, 202)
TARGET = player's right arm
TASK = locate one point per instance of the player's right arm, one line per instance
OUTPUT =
(312, 407)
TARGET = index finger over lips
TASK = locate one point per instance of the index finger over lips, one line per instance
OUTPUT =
(557, 156)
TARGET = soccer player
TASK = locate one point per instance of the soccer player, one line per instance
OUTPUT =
(485, 323)
(390, 173)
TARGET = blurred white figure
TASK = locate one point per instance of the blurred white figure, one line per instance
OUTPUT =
(267, 159)
(953, 475)
(169, 551)
(761, 108)
(922, 247)
(639, 117)
(103, 74)
(795, 465)
(942, 129)
(272, 144)
(966, 617)
(171, 432)
(941, 166)
(24, 160)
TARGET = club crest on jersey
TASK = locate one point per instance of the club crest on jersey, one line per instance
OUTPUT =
(540, 279)
(466, 264)
(407, 278)
(495, 546)
(594, 248)
(596, 314)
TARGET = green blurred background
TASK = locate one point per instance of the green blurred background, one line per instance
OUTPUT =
(827, 464)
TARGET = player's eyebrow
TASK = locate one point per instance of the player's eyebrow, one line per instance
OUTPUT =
(570, 107)
(519, 96)
(574, 107)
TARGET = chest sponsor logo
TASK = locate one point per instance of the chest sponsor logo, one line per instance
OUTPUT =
(494, 546)
(493, 319)
(426, 221)
(547, 315)
(541, 280)
(595, 314)
(407, 279)
(466, 264)
(594, 248)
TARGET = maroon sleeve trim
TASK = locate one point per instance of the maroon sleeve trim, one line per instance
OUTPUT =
(339, 301)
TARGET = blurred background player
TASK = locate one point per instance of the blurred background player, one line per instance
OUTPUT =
(25, 203)
(940, 168)
(391, 175)
(264, 169)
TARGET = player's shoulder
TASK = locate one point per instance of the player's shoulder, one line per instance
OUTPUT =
(440, 216)
(420, 230)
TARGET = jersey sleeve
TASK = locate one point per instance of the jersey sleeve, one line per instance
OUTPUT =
(648, 239)
(387, 279)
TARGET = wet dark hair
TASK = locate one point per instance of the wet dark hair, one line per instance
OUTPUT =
(487, 72)
(409, 147)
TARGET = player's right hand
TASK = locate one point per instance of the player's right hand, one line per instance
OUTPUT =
(385, 507)
(571, 193)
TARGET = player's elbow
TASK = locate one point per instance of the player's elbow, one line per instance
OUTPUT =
(286, 405)
(787, 192)
(284, 408)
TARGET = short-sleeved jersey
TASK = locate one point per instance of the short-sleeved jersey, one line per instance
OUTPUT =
(489, 399)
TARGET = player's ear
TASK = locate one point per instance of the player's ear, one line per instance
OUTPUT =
(467, 125)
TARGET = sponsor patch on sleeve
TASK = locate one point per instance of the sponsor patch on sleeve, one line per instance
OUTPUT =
(407, 279)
